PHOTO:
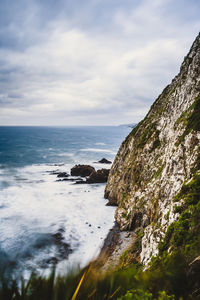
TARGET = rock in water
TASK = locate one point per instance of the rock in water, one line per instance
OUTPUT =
(98, 176)
(157, 157)
(82, 170)
(104, 161)
(62, 174)
(80, 181)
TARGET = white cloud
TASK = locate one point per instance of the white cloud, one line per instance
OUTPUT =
(74, 76)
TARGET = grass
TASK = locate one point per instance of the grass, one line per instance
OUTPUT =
(129, 283)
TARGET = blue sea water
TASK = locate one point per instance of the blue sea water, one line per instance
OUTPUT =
(21, 146)
(44, 221)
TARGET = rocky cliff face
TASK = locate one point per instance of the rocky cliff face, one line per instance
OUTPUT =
(157, 157)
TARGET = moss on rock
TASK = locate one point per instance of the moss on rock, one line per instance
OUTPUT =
(184, 234)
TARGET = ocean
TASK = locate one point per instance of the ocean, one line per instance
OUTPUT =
(44, 221)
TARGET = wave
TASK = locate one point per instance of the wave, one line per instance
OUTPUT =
(65, 154)
(35, 206)
(97, 150)
(100, 144)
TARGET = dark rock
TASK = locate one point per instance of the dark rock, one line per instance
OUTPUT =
(136, 221)
(62, 174)
(81, 181)
(65, 250)
(82, 170)
(58, 237)
(110, 242)
(61, 230)
(58, 173)
(104, 161)
(69, 179)
(111, 202)
(98, 176)
(55, 172)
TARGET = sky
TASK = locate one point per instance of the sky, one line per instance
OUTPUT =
(89, 62)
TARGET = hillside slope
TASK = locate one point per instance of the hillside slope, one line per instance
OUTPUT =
(157, 158)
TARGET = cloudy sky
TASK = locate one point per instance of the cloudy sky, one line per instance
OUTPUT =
(89, 62)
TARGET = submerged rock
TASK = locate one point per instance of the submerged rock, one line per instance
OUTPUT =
(80, 181)
(82, 170)
(58, 237)
(54, 172)
(62, 174)
(69, 179)
(64, 249)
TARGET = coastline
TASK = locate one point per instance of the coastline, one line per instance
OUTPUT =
(41, 201)
(114, 246)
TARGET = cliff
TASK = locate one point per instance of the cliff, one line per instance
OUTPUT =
(160, 155)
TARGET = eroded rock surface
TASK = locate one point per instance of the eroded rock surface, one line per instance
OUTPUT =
(157, 157)
(99, 176)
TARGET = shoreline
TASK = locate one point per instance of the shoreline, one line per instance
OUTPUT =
(115, 244)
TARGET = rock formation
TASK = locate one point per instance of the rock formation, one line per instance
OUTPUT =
(104, 161)
(62, 174)
(157, 157)
(99, 176)
(82, 170)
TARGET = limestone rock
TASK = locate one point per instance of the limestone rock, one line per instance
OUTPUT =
(160, 153)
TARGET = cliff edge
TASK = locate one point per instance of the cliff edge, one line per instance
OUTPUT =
(157, 158)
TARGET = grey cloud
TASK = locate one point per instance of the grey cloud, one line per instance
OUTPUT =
(102, 62)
